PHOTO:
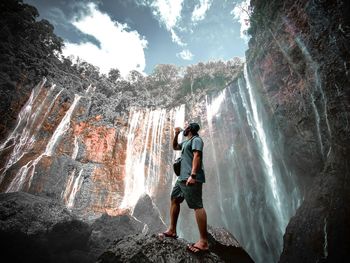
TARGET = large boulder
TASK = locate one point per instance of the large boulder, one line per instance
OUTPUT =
(320, 229)
(38, 229)
(226, 246)
(107, 228)
(150, 248)
(147, 212)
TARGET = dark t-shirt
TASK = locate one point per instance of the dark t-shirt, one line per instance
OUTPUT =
(187, 148)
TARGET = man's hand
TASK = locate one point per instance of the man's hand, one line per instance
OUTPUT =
(178, 130)
(190, 181)
(176, 146)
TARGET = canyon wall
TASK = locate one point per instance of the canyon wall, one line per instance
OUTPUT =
(298, 58)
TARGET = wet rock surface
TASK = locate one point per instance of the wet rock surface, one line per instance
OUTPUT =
(320, 230)
(299, 55)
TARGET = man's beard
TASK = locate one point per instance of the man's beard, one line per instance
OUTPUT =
(185, 133)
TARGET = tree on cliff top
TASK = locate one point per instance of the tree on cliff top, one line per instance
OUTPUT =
(27, 46)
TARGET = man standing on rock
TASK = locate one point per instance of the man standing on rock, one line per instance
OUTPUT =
(189, 186)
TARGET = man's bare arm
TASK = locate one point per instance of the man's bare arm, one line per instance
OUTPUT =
(196, 163)
(176, 146)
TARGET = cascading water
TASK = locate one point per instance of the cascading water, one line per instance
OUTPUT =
(22, 137)
(148, 144)
(256, 193)
(212, 108)
(23, 175)
(266, 153)
(62, 127)
(73, 185)
(22, 141)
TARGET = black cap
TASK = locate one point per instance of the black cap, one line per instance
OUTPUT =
(194, 126)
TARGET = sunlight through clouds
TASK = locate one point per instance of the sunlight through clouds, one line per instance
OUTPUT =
(119, 47)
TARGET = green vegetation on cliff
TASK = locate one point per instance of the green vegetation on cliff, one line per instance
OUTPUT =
(30, 50)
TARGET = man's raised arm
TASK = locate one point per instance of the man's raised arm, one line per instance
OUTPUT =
(176, 146)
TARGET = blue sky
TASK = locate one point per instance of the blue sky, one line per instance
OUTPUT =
(139, 34)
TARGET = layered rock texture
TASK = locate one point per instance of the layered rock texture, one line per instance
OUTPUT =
(150, 248)
(299, 58)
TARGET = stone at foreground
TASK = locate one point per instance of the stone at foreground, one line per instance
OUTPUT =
(150, 248)
(38, 229)
(225, 245)
(107, 228)
(147, 212)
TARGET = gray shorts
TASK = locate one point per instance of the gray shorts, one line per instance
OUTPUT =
(192, 194)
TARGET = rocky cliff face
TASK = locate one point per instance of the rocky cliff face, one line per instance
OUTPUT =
(298, 58)
(56, 146)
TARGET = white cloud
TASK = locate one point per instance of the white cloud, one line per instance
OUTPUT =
(241, 13)
(119, 48)
(200, 10)
(169, 11)
(176, 39)
(185, 55)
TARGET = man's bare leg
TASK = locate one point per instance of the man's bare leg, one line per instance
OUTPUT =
(201, 218)
(174, 215)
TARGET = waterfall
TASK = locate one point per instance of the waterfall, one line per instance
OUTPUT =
(256, 193)
(249, 189)
(62, 127)
(23, 137)
(72, 187)
(212, 108)
(266, 153)
(318, 101)
(145, 151)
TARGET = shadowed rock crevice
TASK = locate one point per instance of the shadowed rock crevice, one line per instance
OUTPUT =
(226, 246)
